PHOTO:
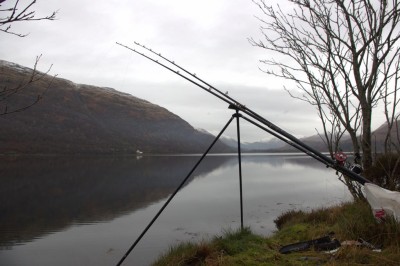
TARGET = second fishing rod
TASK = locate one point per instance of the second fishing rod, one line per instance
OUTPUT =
(285, 136)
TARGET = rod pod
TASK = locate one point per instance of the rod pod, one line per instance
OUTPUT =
(285, 136)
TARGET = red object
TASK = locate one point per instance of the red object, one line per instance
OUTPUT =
(380, 214)
(340, 157)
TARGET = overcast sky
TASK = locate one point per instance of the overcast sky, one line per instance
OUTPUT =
(206, 37)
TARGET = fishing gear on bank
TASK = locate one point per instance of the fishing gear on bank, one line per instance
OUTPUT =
(240, 111)
(254, 118)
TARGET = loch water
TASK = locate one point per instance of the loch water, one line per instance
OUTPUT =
(89, 210)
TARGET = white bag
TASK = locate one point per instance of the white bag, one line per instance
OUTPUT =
(383, 202)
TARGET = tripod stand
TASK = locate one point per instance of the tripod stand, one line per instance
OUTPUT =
(236, 115)
(254, 119)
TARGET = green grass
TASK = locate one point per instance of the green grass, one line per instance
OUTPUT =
(232, 248)
(349, 221)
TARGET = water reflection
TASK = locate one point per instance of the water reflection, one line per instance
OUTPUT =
(40, 195)
(95, 208)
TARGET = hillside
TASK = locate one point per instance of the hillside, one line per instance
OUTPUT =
(74, 118)
(254, 146)
(378, 141)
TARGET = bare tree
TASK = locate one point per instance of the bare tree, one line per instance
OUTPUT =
(391, 100)
(339, 53)
(15, 13)
(7, 92)
(332, 130)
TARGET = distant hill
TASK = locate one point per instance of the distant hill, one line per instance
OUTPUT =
(378, 138)
(74, 118)
(254, 146)
(314, 141)
(379, 135)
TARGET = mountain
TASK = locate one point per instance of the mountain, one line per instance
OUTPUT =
(75, 118)
(314, 141)
(379, 135)
(254, 146)
(378, 141)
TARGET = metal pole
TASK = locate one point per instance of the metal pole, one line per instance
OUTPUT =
(173, 194)
(237, 115)
(286, 136)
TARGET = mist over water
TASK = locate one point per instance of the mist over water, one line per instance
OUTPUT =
(89, 210)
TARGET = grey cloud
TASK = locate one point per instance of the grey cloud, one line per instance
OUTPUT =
(81, 45)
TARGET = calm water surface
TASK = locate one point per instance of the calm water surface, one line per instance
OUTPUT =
(88, 211)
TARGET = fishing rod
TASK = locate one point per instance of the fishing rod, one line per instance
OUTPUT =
(283, 139)
(233, 104)
(285, 136)
(225, 97)
(209, 89)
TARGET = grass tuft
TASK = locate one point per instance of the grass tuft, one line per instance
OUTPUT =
(349, 221)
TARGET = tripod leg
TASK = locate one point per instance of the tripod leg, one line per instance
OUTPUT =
(173, 194)
(240, 168)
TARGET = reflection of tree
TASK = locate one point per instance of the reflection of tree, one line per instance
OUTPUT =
(42, 195)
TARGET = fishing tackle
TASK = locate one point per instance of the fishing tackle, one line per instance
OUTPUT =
(254, 119)
(234, 104)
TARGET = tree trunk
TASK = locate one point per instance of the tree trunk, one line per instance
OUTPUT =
(354, 140)
(366, 137)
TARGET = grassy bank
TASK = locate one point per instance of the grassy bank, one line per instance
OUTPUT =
(349, 221)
